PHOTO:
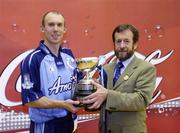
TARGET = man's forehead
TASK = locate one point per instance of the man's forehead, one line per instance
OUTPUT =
(124, 33)
(50, 16)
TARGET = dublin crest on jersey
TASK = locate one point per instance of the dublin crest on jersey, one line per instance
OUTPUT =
(27, 84)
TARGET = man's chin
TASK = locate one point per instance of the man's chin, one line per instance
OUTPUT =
(55, 42)
(123, 58)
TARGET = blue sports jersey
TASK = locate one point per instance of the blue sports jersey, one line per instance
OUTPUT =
(44, 74)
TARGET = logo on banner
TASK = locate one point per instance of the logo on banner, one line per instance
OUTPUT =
(154, 58)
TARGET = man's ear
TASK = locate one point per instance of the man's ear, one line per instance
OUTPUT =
(135, 45)
(65, 30)
(42, 29)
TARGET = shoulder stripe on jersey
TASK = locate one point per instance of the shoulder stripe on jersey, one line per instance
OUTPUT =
(35, 52)
(67, 51)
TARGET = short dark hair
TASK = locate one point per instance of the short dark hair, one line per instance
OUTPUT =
(123, 27)
(52, 11)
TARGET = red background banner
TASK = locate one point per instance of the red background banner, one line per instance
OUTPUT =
(89, 26)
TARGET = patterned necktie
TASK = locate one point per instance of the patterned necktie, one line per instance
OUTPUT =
(117, 72)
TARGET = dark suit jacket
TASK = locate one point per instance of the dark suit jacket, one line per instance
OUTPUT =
(124, 111)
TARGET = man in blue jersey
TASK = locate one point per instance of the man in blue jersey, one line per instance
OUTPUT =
(48, 79)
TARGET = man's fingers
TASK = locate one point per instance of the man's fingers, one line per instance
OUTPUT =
(96, 84)
(89, 101)
(90, 96)
(94, 106)
(76, 102)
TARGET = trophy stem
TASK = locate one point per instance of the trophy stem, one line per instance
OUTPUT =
(87, 75)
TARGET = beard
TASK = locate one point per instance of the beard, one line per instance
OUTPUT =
(123, 54)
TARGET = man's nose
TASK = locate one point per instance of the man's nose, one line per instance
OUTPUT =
(122, 44)
(55, 27)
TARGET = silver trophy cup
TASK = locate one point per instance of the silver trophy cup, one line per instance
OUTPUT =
(84, 87)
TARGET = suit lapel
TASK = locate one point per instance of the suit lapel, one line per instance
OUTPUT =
(127, 72)
(110, 71)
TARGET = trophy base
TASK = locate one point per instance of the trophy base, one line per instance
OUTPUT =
(79, 95)
(83, 89)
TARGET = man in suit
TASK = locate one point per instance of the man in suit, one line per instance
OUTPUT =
(123, 102)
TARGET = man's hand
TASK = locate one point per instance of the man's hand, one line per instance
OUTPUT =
(69, 105)
(96, 98)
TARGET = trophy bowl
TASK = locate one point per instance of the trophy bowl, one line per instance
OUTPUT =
(84, 87)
